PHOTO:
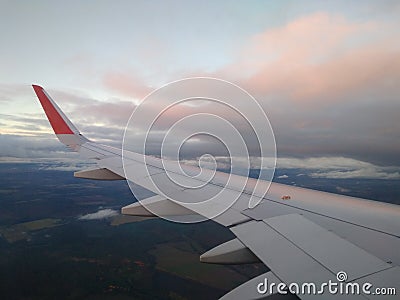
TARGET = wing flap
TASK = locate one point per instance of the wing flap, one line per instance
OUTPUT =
(286, 261)
(98, 174)
(156, 205)
(333, 252)
(230, 252)
(300, 251)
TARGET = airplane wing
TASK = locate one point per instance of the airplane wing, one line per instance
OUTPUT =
(308, 239)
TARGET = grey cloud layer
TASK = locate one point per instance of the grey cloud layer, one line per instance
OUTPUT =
(365, 133)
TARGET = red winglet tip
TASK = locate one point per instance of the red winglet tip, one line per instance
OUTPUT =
(37, 87)
(56, 120)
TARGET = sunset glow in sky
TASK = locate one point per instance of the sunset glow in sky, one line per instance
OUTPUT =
(327, 73)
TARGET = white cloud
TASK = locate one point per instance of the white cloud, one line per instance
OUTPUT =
(342, 190)
(33, 147)
(283, 176)
(100, 215)
(320, 163)
(367, 173)
(11, 159)
(66, 165)
(339, 167)
(51, 164)
(321, 167)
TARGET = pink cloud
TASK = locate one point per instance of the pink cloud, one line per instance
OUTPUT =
(318, 58)
(308, 38)
(112, 114)
(125, 83)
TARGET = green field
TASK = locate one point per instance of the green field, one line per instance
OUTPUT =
(21, 231)
(172, 259)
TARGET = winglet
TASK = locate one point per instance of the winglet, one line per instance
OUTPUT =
(57, 119)
(66, 132)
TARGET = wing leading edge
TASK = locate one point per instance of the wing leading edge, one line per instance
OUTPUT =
(307, 236)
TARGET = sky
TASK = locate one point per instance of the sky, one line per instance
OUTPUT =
(327, 73)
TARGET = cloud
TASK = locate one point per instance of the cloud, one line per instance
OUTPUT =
(64, 165)
(342, 190)
(313, 163)
(33, 147)
(44, 151)
(100, 215)
(85, 110)
(24, 124)
(319, 58)
(11, 92)
(366, 173)
(126, 84)
(339, 167)
(283, 176)
(316, 167)
(98, 120)
(329, 85)
(24, 146)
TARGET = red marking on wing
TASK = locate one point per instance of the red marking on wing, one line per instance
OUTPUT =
(56, 120)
